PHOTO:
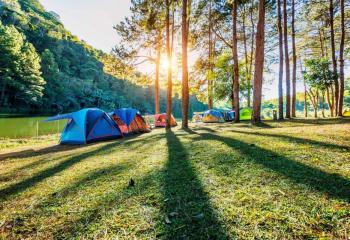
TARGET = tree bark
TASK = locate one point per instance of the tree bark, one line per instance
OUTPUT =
(251, 54)
(246, 53)
(305, 91)
(235, 61)
(259, 63)
(305, 101)
(170, 84)
(286, 53)
(330, 102)
(210, 60)
(280, 75)
(323, 100)
(334, 61)
(156, 84)
(185, 90)
(294, 71)
(341, 59)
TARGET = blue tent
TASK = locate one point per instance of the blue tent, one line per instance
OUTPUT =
(87, 125)
(212, 116)
(229, 115)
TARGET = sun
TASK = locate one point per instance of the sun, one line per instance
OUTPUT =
(165, 64)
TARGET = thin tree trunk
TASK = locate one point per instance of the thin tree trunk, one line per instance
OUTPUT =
(323, 100)
(334, 61)
(259, 63)
(341, 60)
(246, 51)
(330, 102)
(210, 60)
(294, 71)
(156, 84)
(280, 75)
(170, 84)
(286, 53)
(314, 100)
(321, 43)
(235, 60)
(305, 90)
(251, 55)
(305, 101)
(185, 90)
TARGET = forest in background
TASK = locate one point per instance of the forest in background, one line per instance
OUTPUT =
(46, 69)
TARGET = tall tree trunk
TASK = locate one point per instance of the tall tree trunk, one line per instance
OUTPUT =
(246, 52)
(185, 90)
(305, 91)
(321, 43)
(330, 101)
(334, 61)
(314, 100)
(251, 53)
(341, 59)
(210, 60)
(305, 101)
(156, 84)
(259, 63)
(168, 50)
(294, 71)
(323, 100)
(280, 75)
(286, 53)
(235, 60)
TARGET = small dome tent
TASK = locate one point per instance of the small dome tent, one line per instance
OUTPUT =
(160, 120)
(346, 113)
(197, 117)
(86, 126)
(213, 116)
(229, 115)
(129, 121)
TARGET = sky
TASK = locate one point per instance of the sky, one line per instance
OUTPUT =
(93, 21)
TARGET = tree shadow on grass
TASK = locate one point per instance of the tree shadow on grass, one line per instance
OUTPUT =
(188, 213)
(80, 226)
(334, 185)
(27, 153)
(296, 139)
(41, 176)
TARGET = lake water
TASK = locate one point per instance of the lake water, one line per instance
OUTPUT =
(16, 126)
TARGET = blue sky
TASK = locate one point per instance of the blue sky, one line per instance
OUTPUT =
(91, 20)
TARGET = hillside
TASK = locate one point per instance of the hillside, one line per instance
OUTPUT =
(45, 68)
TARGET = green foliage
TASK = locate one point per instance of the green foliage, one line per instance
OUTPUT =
(318, 74)
(21, 80)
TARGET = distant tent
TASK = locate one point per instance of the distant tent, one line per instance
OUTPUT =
(160, 120)
(213, 116)
(197, 117)
(229, 115)
(87, 125)
(129, 121)
(346, 113)
(246, 113)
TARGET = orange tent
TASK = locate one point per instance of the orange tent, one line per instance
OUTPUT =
(160, 120)
(130, 121)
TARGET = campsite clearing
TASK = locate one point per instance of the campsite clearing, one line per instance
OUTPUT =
(282, 180)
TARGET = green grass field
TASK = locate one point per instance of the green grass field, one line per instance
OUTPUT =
(282, 180)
